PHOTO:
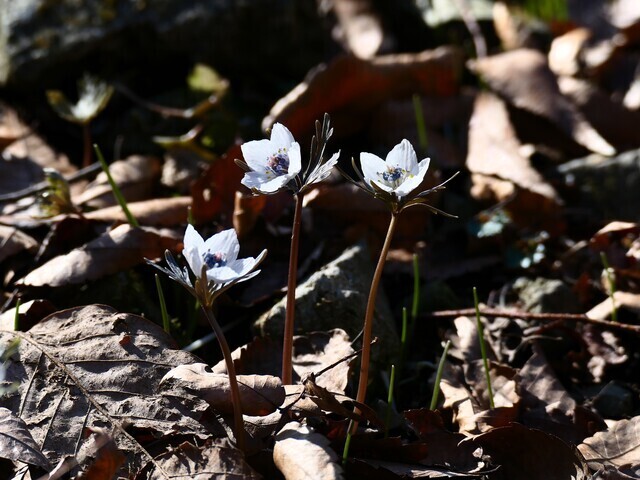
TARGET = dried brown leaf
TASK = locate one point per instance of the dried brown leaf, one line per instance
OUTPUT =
(259, 394)
(158, 212)
(246, 210)
(13, 241)
(135, 177)
(17, 444)
(11, 128)
(30, 313)
(626, 300)
(524, 79)
(349, 88)
(361, 27)
(117, 250)
(214, 460)
(523, 452)
(107, 458)
(93, 367)
(301, 454)
(618, 446)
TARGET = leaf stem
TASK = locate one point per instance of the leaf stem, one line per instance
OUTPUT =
(612, 286)
(114, 188)
(436, 386)
(287, 344)
(233, 380)
(483, 349)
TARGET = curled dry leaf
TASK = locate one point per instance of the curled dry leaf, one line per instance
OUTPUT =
(135, 176)
(17, 444)
(301, 454)
(157, 212)
(618, 446)
(13, 241)
(121, 248)
(75, 371)
(259, 394)
(349, 89)
(215, 460)
(106, 458)
(524, 79)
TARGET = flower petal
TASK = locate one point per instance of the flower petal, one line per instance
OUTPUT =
(225, 242)
(222, 274)
(383, 186)
(193, 249)
(403, 155)
(243, 266)
(295, 159)
(253, 179)
(414, 181)
(275, 184)
(281, 137)
(256, 153)
(371, 166)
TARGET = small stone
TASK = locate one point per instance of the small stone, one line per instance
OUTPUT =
(336, 297)
(543, 295)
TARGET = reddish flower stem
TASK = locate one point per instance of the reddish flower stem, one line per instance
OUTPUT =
(287, 344)
(368, 318)
(86, 139)
(233, 380)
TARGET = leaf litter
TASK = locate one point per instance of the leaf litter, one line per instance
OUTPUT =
(94, 393)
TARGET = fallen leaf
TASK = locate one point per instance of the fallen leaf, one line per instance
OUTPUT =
(246, 210)
(215, 460)
(524, 79)
(158, 212)
(74, 373)
(621, 300)
(301, 454)
(135, 176)
(30, 313)
(106, 460)
(565, 52)
(17, 444)
(13, 241)
(11, 128)
(361, 31)
(349, 88)
(523, 452)
(618, 446)
(33, 148)
(117, 250)
(599, 108)
(259, 394)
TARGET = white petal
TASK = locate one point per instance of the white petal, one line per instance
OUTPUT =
(224, 242)
(256, 153)
(222, 274)
(403, 155)
(371, 166)
(281, 137)
(295, 159)
(383, 186)
(243, 266)
(193, 249)
(254, 179)
(274, 184)
(413, 182)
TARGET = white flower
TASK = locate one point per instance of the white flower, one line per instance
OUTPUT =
(273, 163)
(399, 174)
(218, 256)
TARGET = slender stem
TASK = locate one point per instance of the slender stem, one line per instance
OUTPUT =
(436, 386)
(368, 318)
(483, 348)
(86, 140)
(166, 324)
(287, 344)
(233, 381)
(387, 418)
(612, 286)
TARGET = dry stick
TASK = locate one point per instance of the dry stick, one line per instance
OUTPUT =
(368, 318)
(233, 380)
(545, 317)
(287, 346)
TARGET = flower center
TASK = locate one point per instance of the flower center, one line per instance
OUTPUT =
(393, 176)
(278, 163)
(214, 260)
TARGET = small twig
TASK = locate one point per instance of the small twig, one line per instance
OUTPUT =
(473, 26)
(544, 317)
